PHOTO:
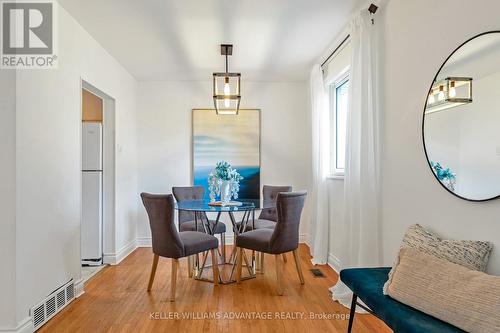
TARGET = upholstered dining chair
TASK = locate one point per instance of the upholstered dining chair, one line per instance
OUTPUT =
(282, 239)
(187, 220)
(267, 218)
(169, 243)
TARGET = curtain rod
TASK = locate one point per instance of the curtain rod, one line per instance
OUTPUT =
(336, 49)
(372, 9)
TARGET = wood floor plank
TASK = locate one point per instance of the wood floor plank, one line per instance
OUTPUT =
(116, 300)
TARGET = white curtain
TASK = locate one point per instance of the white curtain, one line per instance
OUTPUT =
(361, 183)
(320, 164)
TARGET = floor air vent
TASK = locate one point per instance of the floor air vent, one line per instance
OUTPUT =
(51, 305)
(317, 272)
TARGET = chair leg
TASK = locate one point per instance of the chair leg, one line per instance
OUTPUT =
(262, 263)
(253, 263)
(215, 268)
(223, 244)
(190, 266)
(279, 274)
(239, 263)
(257, 261)
(284, 257)
(195, 260)
(173, 279)
(153, 271)
(352, 312)
(299, 267)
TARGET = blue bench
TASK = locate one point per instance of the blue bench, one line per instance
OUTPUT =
(367, 284)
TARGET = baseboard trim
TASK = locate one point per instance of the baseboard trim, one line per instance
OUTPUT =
(229, 238)
(116, 258)
(303, 238)
(334, 263)
(24, 326)
(146, 241)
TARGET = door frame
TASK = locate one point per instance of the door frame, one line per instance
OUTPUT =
(109, 168)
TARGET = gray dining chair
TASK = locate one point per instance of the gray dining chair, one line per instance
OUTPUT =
(169, 243)
(282, 239)
(187, 220)
(267, 218)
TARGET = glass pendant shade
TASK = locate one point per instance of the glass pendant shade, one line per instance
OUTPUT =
(227, 95)
(449, 93)
(226, 86)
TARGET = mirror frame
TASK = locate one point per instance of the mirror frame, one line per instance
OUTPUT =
(423, 119)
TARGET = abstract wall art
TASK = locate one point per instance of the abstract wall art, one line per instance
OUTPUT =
(231, 138)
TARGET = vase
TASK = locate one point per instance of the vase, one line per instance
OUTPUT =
(225, 191)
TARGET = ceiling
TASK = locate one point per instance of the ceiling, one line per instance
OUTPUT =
(274, 40)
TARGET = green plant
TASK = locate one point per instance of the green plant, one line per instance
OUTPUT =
(224, 171)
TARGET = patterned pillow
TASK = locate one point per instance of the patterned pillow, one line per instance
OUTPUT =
(471, 254)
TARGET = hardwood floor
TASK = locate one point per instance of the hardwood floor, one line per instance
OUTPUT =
(116, 300)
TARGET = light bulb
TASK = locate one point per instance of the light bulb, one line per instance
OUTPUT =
(441, 94)
(431, 99)
(453, 92)
(227, 102)
(227, 89)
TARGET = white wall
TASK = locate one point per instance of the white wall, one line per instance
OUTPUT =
(164, 134)
(7, 196)
(418, 36)
(49, 167)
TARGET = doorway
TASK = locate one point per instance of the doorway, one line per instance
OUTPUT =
(98, 178)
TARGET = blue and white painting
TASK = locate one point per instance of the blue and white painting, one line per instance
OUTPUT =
(231, 138)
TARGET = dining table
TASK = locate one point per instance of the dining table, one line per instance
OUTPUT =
(246, 207)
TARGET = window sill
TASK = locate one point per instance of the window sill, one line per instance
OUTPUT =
(338, 177)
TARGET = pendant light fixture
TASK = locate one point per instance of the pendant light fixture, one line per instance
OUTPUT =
(448, 93)
(226, 87)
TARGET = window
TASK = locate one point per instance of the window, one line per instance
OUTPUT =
(338, 117)
(336, 75)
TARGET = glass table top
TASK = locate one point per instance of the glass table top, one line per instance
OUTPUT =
(203, 206)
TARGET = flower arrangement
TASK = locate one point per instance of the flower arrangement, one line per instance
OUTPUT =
(224, 181)
(445, 176)
(224, 171)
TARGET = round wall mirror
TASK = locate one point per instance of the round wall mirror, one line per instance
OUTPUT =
(461, 125)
